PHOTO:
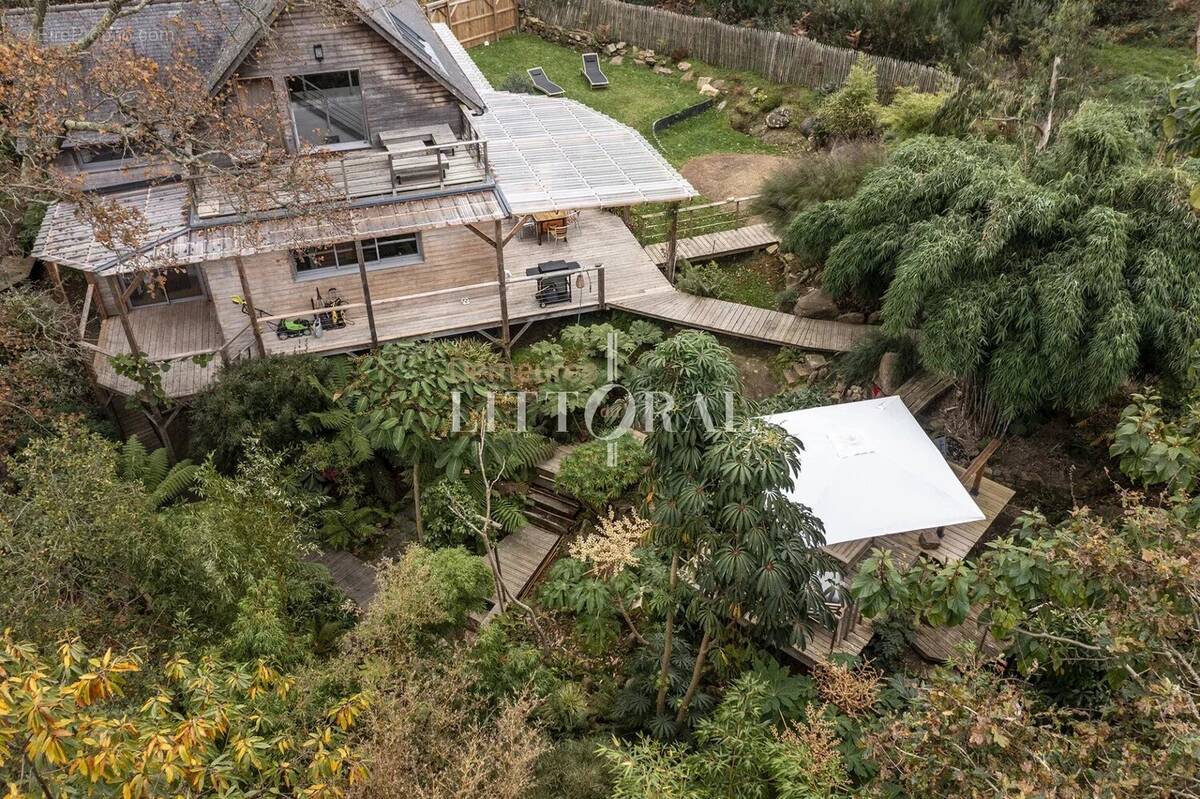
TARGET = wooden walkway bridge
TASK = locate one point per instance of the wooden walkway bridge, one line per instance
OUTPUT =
(717, 245)
(745, 321)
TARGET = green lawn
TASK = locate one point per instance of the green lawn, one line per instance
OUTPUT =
(1146, 60)
(637, 96)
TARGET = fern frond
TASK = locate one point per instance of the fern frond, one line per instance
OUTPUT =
(178, 480)
(155, 469)
(133, 459)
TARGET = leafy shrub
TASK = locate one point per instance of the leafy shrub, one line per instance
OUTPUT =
(1044, 281)
(798, 398)
(574, 769)
(911, 112)
(860, 364)
(587, 476)
(816, 177)
(261, 398)
(349, 525)
(517, 83)
(42, 373)
(1156, 447)
(738, 283)
(444, 527)
(421, 596)
(853, 110)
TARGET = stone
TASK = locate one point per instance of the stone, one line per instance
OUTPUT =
(664, 71)
(772, 249)
(779, 119)
(611, 49)
(617, 60)
(701, 82)
(684, 66)
(875, 318)
(14, 269)
(852, 318)
(816, 304)
(721, 105)
(708, 90)
(815, 362)
(720, 84)
(688, 77)
(887, 376)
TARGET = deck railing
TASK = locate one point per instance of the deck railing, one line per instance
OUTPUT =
(694, 220)
(354, 175)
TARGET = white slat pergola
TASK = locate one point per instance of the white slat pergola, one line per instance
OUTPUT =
(552, 153)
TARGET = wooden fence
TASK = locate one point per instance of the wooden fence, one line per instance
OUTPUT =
(474, 22)
(780, 57)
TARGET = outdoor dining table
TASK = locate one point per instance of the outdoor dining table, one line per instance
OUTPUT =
(547, 220)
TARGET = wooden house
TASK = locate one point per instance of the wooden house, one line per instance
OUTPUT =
(458, 208)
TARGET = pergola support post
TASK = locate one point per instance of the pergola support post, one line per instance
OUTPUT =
(254, 326)
(366, 289)
(672, 241)
(502, 280)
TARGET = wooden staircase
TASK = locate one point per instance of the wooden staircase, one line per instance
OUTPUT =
(548, 508)
(526, 554)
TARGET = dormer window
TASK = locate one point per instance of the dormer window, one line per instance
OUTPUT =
(100, 157)
(327, 109)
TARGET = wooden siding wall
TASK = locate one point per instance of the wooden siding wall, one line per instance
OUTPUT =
(474, 22)
(396, 92)
(453, 257)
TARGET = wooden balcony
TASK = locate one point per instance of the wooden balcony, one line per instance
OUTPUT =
(405, 161)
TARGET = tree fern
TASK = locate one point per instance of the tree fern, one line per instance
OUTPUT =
(163, 482)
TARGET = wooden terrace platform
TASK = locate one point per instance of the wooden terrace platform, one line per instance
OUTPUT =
(718, 245)
(163, 331)
(958, 542)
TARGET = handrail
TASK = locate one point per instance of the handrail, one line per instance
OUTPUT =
(693, 208)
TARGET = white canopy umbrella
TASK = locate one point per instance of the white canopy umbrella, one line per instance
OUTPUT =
(868, 470)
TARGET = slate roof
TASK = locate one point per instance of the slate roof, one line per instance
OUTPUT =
(216, 35)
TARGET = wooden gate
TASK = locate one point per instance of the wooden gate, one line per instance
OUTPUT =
(475, 21)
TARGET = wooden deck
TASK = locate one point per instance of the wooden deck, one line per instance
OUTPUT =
(163, 331)
(353, 576)
(958, 542)
(601, 239)
(745, 321)
(719, 244)
(919, 392)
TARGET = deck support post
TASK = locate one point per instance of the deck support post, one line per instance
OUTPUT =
(97, 294)
(600, 287)
(56, 278)
(366, 289)
(123, 312)
(672, 241)
(254, 326)
(502, 280)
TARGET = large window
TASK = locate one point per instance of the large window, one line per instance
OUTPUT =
(377, 254)
(327, 108)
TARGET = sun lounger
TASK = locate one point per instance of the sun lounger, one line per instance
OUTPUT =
(544, 84)
(591, 70)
